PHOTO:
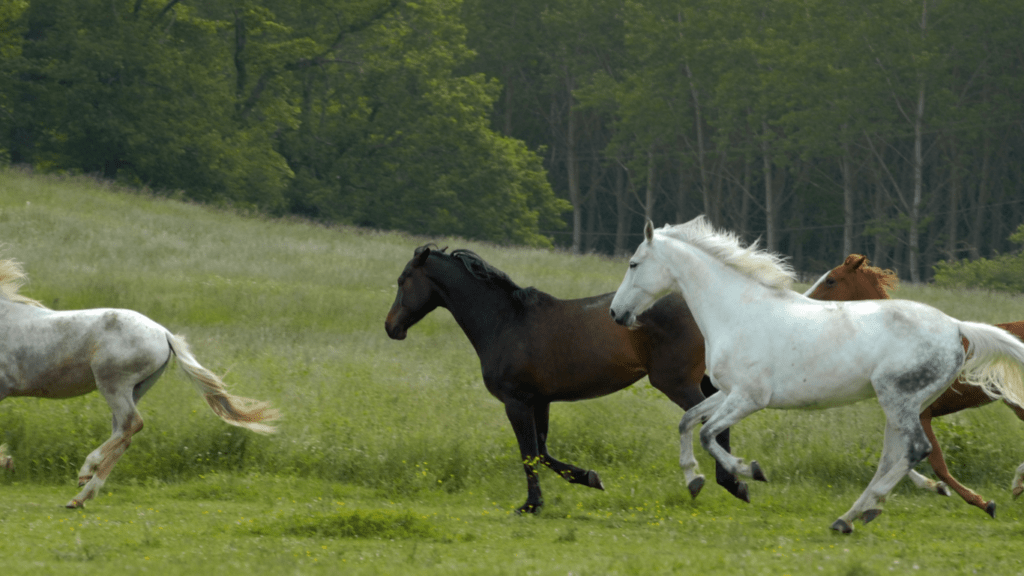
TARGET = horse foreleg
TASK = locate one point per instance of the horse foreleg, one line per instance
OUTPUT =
(107, 455)
(938, 464)
(733, 408)
(574, 474)
(687, 460)
(722, 476)
(520, 415)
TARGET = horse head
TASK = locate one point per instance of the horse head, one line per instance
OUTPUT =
(416, 295)
(854, 279)
(646, 279)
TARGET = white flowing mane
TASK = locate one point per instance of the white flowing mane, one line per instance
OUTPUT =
(766, 267)
(12, 278)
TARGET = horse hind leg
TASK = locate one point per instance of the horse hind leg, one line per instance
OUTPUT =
(127, 422)
(904, 446)
(92, 461)
(938, 464)
(573, 474)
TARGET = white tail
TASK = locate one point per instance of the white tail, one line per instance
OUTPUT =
(995, 361)
(245, 412)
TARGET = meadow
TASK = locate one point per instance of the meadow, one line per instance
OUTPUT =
(391, 456)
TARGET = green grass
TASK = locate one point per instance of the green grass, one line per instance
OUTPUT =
(392, 457)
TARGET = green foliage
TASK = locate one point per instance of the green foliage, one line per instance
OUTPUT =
(1004, 272)
(343, 111)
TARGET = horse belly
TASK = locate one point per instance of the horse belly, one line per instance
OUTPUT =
(816, 396)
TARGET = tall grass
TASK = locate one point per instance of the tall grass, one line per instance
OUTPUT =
(293, 312)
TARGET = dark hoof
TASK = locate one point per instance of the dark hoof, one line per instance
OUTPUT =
(1017, 492)
(756, 472)
(942, 489)
(991, 508)
(842, 526)
(593, 481)
(72, 504)
(870, 515)
(742, 492)
(530, 508)
(695, 486)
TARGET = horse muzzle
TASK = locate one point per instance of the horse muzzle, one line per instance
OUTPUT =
(626, 319)
(394, 332)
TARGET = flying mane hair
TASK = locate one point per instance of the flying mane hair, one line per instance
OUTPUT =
(884, 280)
(766, 267)
(12, 278)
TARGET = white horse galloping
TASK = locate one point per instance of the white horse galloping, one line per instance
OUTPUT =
(769, 347)
(56, 354)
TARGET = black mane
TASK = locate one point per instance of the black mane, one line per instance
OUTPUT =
(481, 270)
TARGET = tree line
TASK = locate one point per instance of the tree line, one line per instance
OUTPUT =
(893, 128)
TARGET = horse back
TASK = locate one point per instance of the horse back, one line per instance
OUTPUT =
(61, 354)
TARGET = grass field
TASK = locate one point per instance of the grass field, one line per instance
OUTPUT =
(391, 457)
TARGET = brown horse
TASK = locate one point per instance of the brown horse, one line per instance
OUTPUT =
(535, 349)
(855, 279)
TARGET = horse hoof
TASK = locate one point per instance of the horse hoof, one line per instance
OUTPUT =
(870, 515)
(991, 508)
(1017, 492)
(742, 492)
(842, 526)
(695, 486)
(529, 508)
(594, 481)
(72, 504)
(942, 489)
(83, 480)
(756, 472)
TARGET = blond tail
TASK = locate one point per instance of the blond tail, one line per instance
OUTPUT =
(995, 362)
(245, 412)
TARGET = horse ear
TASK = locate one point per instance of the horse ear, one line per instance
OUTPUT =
(420, 255)
(858, 261)
(649, 230)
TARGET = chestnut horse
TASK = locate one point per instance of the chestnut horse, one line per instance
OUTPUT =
(535, 349)
(856, 279)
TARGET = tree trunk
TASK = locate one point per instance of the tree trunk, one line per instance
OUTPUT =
(709, 208)
(621, 210)
(845, 165)
(952, 201)
(913, 248)
(649, 198)
(572, 167)
(769, 195)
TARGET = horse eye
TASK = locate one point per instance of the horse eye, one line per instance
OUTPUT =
(632, 264)
(830, 281)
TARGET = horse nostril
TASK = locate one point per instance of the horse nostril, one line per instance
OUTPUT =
(612, 312)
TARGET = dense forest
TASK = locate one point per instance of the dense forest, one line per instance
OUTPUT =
(893, 128)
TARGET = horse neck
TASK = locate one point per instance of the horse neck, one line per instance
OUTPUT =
(478, 307)
(713, 290)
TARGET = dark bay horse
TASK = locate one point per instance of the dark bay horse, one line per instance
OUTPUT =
(856, 279)
(535, 349)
